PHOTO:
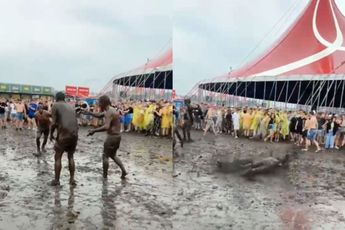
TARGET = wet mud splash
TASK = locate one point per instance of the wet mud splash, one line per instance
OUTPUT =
(210, 193)
(143, 201)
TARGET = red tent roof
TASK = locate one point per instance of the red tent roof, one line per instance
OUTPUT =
(163, 60)
(313, 45)
(158, 64)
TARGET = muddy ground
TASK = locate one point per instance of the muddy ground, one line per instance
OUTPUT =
(308, 194)
(143, 201)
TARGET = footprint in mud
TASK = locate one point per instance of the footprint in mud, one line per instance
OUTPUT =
(4, 189)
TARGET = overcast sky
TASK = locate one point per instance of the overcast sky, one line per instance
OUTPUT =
(210, 36)
(85, 43)
(79, 42)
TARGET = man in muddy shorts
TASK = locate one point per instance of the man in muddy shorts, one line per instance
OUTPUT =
(65, 121)
(42, 119)
(112, 126)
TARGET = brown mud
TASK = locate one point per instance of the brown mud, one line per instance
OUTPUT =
(143, 201)
(210, 193)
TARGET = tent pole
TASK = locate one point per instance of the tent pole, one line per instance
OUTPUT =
(275, 94)
(327, 93)
(286, 94)
(264, 91)
(328, 88)
(245, 93)
(312, 97)
(165, 81)
(236, 91)
(293, 90)
(318, 96)
(335, 90)
(228, 93)
(342, 93)
(299, 92)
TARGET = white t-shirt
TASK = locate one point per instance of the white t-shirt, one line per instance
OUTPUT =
(13, 108)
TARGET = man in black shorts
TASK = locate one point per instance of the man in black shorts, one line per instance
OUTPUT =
(112, 126)
(65, 121)
(3, 106)
(42, 119)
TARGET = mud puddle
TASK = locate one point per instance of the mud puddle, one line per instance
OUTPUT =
(143, 201)
(308, 194)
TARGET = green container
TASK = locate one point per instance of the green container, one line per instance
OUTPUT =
(36, 90)
(4, 87)
(14, 88)
(26, 89)
(47, 90)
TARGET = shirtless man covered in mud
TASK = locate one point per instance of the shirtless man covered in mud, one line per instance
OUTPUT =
(42, 119)
(112, 126)
(65, 121)
(265, 165)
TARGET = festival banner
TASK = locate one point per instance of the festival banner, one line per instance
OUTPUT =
(71, 90)
(83, 92)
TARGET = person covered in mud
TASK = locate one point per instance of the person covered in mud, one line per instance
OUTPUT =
(265, 165)
(112, 126)
(42, 119)
(65, 121)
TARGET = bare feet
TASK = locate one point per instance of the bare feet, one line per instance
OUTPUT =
(73, 182)
(123, 175)
(54, 183)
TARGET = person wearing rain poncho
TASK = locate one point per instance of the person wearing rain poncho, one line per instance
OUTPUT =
(257, 116)
(149, 119)
(247, 120)
(285, 126)
(166, 121)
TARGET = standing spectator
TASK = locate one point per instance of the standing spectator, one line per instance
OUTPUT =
(3, 107)
(32, 108)
(219, 120)
(331, 129)
(13, 113)
(198, 116)
(236, 122)
(210, 121)
(21, 111)
(187, 123)
(310, 127)
(321, 128)
(228, 121)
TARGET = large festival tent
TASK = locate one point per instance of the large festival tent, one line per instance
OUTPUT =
(156, 74)
(306, 66)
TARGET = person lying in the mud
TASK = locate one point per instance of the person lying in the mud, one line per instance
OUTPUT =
(265, 165)
(65, 121)
(42, 119)
(112, 126)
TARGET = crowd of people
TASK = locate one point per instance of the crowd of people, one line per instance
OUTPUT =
(303, 128)
(21, 112)
(148, 117)
(46, 116)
